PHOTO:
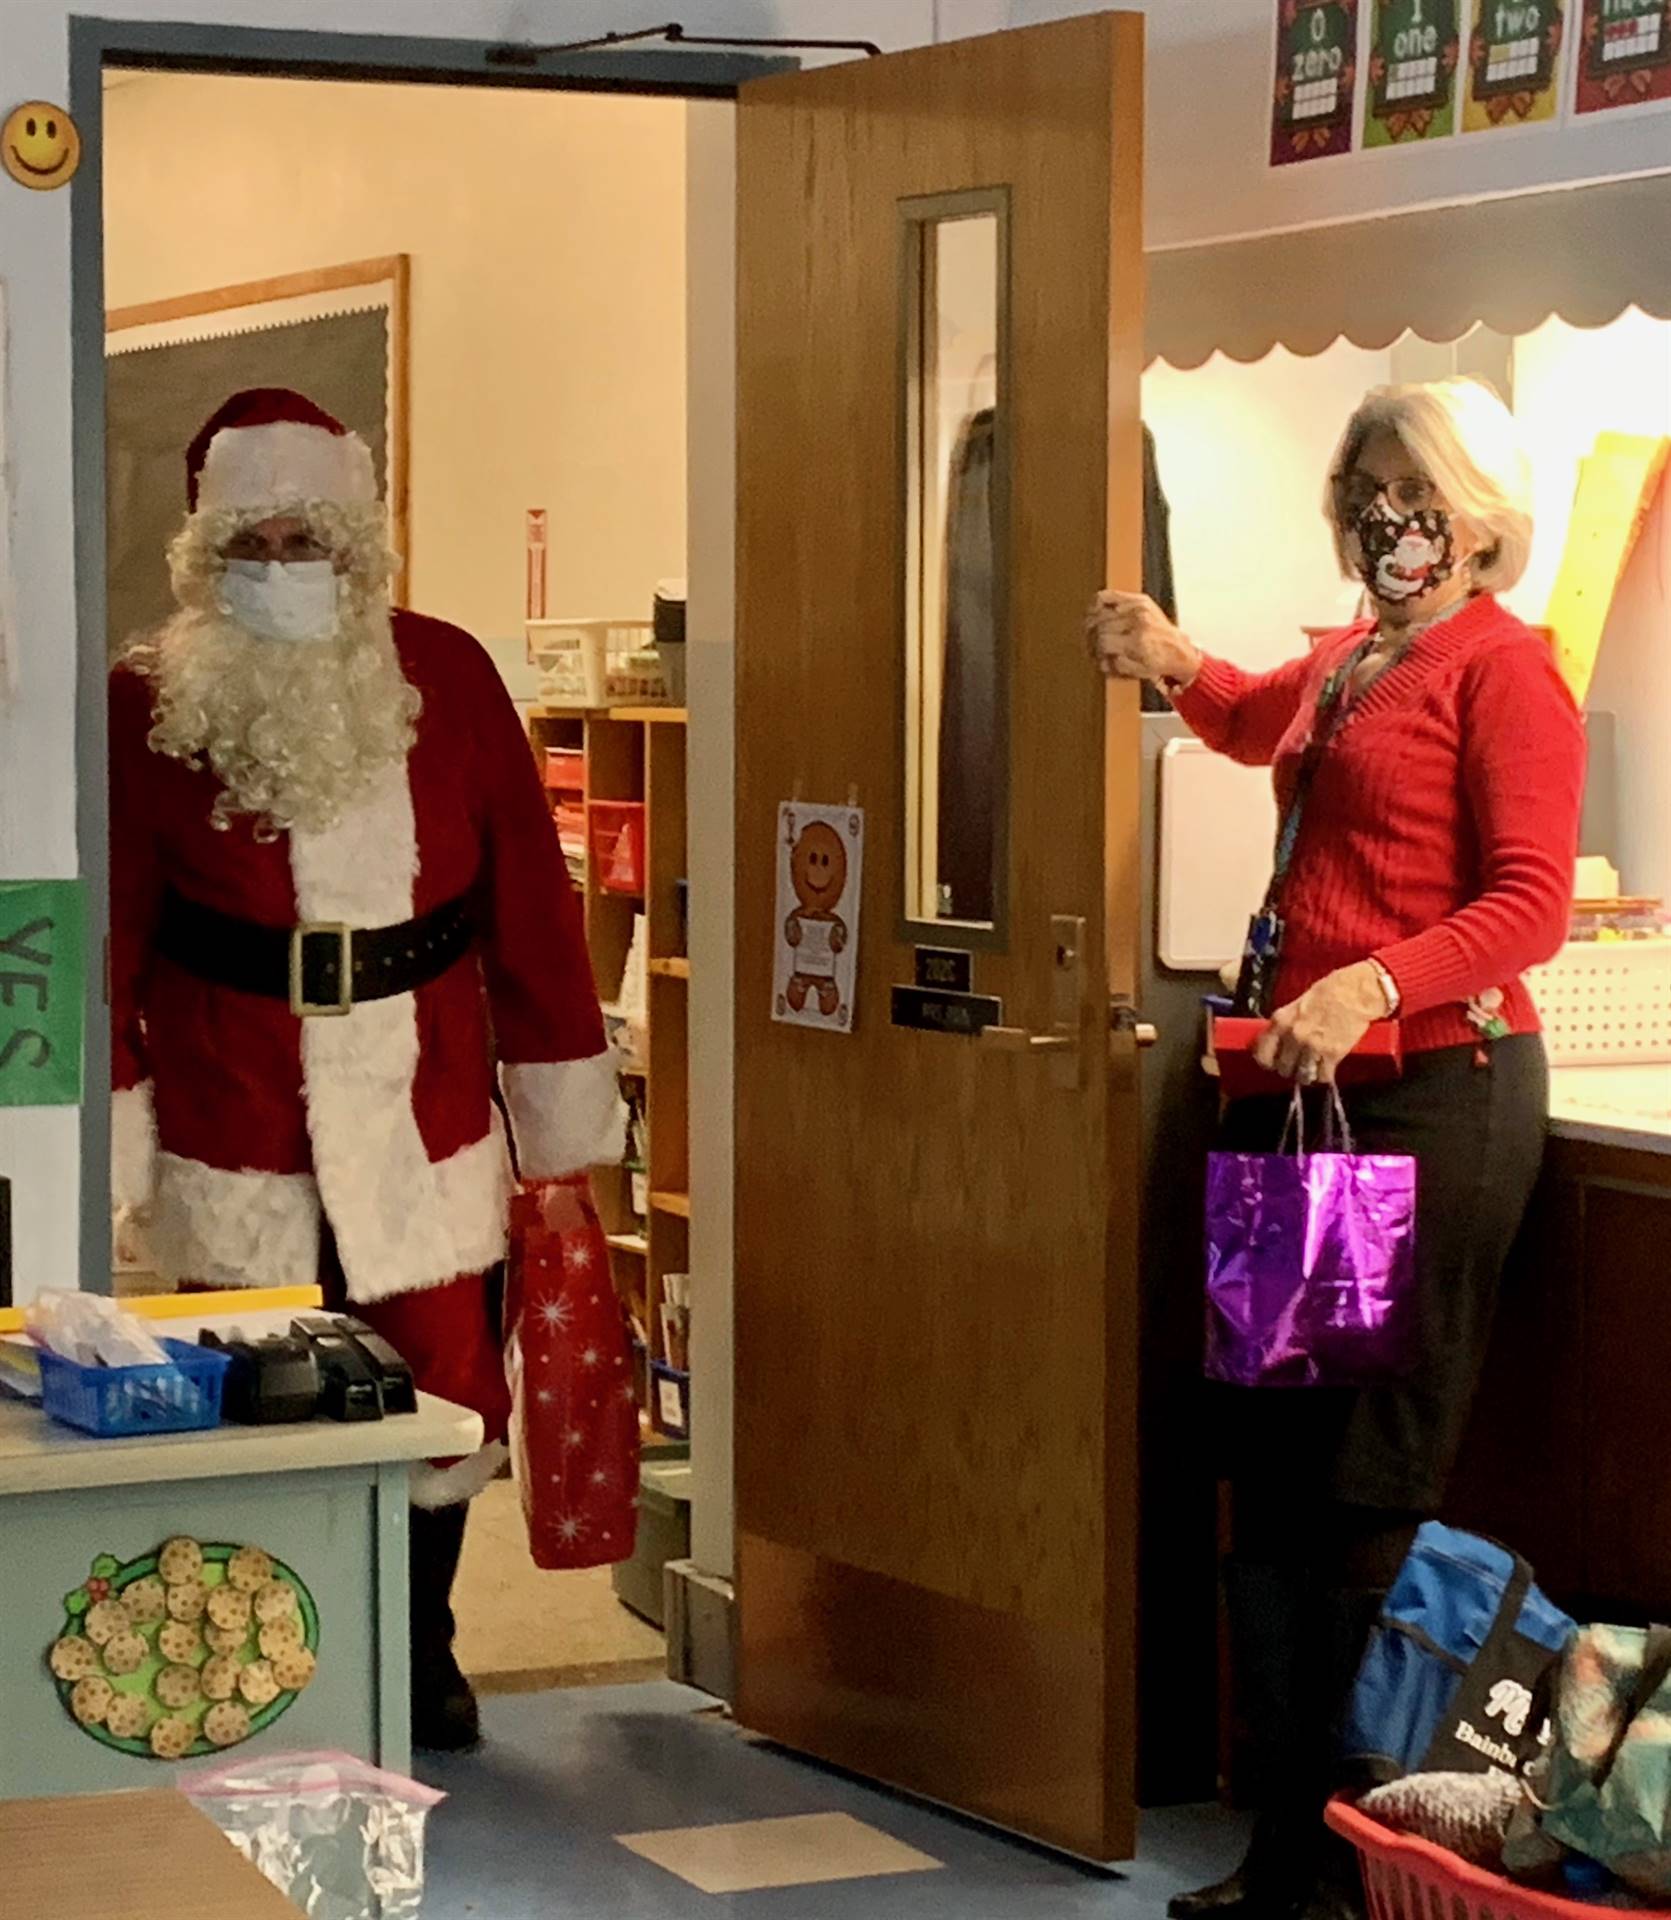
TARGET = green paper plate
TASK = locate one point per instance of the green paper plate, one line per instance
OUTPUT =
(139, 1683)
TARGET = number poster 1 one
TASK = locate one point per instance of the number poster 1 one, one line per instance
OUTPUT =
(1315, 85)
(1415, 50)
(1624, 55)
(1514, 63)
(820, 875)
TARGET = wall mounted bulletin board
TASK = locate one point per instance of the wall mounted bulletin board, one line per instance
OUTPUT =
(341, 335)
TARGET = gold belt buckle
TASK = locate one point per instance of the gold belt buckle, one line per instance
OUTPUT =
(300, 1005)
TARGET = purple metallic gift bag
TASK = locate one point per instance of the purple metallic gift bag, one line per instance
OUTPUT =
(1311, 1264)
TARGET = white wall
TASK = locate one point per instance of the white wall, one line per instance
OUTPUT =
(710, 774)
(1569, 386)
(1243, 452)
(548, 291)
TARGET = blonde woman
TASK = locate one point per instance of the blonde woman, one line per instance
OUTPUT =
(1429, 768)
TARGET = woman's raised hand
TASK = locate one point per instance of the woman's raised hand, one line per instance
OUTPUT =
(1131, 639)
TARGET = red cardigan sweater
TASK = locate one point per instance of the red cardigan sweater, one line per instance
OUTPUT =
(1442, 826)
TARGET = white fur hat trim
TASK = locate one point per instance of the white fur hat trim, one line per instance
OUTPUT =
(285, 464)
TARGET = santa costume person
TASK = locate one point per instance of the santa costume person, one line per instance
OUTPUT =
(345, 949)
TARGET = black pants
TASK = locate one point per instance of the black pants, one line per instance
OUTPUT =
(1475, 1124)
(1328, 1487)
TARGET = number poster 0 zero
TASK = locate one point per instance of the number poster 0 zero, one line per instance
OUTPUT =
(1312, 97)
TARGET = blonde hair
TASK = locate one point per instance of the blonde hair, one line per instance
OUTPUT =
(1469, 445)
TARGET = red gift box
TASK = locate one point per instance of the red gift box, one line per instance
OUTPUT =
(1379, 1055)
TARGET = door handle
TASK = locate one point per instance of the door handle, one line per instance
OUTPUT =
(1019, 1040)
(1061, 1041)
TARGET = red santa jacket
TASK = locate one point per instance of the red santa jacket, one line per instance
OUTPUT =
(241, 1126)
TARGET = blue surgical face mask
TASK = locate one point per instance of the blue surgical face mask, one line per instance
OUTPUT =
(293, 602)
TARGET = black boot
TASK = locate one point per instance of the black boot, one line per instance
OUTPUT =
(1339, 1637)
(444, 1715)
(1266, 1607)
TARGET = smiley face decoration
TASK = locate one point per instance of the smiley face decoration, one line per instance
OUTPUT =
(39, 146)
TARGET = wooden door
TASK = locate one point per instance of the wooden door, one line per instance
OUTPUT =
(936, 1234)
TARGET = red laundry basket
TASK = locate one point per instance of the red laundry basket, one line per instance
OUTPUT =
(1410, 1879)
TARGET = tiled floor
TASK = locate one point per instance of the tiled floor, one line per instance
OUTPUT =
(532, 1829)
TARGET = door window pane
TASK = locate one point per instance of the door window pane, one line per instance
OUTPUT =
(956, 687)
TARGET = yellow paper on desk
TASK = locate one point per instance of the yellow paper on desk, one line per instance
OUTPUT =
(236, 1302)
(1616, 487)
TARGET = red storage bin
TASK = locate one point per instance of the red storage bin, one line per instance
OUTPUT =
(616, 829)
(571, 829)
(1406, 1878)
(565, 769)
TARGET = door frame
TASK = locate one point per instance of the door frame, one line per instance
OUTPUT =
(162, 46)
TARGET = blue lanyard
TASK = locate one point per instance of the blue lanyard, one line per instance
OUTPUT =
(1265, 932)
(1333, 711)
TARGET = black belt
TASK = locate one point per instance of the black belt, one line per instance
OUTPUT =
(320, 967)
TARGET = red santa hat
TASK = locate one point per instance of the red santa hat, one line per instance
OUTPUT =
(269, 448)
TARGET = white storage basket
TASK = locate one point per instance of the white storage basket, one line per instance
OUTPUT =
(597, 663)
(1606, 1003)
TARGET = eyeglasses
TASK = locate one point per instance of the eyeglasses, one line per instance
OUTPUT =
(291, 549)
(1409, 493)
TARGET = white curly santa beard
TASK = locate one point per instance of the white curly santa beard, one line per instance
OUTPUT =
(294, 731)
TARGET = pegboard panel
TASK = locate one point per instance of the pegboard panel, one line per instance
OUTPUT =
(1606, 1003)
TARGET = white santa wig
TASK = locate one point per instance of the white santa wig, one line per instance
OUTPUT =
(292, 732)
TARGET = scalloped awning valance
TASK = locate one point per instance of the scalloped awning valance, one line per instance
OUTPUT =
(1585, 253)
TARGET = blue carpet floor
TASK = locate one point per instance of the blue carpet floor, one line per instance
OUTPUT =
(527, 1832)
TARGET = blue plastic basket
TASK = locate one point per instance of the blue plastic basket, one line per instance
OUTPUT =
(113, 1401)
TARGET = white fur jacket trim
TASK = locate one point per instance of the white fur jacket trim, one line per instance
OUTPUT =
(566, 1115)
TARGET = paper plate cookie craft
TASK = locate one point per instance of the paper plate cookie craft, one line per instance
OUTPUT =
(187, 1651)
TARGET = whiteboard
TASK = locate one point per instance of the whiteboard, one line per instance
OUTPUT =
(1217, 831)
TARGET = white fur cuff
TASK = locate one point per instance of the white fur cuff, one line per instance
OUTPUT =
(133, 1147)
(566, 1115)
(434, 1486)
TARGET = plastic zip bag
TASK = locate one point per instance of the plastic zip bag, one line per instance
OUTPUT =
(341, 1839)
(93, 1331)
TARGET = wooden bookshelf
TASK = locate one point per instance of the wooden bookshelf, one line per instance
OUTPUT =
(636, 756)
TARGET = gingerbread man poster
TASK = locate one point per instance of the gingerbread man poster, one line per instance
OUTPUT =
(820, 868)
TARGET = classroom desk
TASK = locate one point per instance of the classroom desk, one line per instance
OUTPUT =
(145, 1856)
(328, 1500)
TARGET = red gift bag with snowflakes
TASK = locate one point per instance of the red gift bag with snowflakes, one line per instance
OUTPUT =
(568, 1358)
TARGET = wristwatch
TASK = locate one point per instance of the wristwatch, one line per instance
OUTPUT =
(1389, 989)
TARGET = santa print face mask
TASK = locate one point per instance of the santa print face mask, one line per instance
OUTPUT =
(1403, 555)
(293, 602)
